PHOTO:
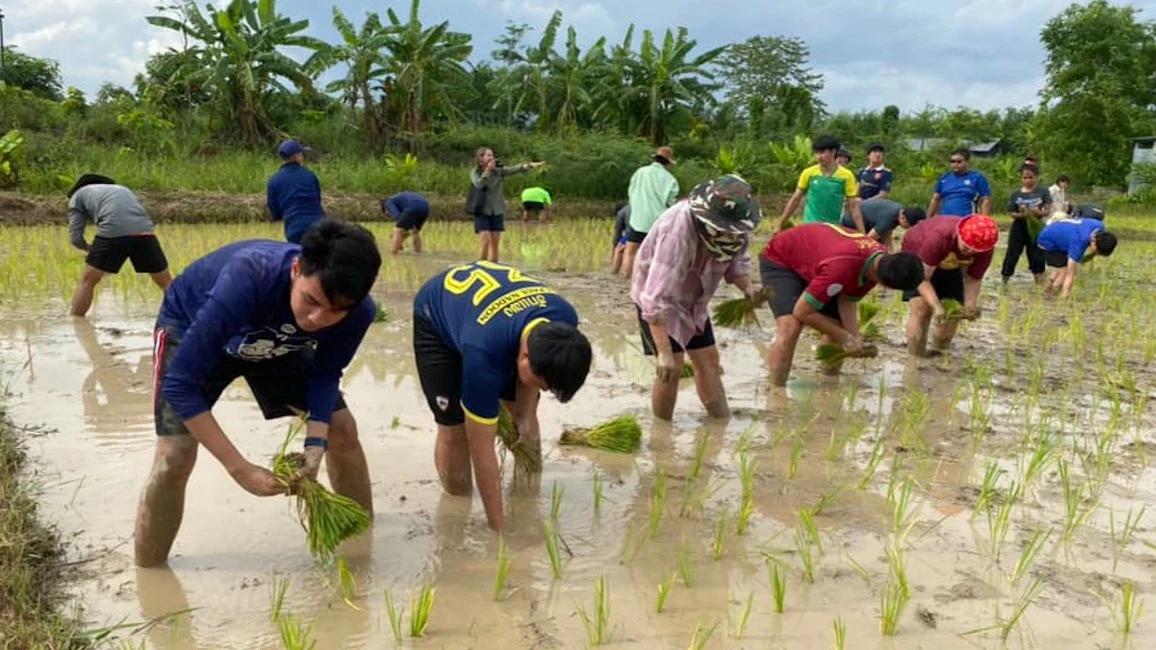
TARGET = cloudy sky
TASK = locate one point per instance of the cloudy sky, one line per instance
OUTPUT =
(979, 53)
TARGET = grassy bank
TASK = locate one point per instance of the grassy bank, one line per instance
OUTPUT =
(30, 560)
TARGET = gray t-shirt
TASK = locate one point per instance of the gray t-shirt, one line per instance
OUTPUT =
(880, 215)
(115, 209)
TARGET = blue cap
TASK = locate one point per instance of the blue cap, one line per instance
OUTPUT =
(290, 148)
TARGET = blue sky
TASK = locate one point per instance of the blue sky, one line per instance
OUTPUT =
(979, 53)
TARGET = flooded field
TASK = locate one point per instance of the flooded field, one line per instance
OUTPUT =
(995, 496)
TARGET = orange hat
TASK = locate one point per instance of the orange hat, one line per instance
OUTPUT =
(979, 231)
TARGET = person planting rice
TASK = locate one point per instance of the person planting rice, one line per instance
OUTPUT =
(536, 203)
(816, 274)
(1027, 206)
(621, 235)
(124, 231)
(692, 247)
(293, 194)
(828, 188)
(409, 211)
(1067, 243)
(484, 334)
(652, 190)
(946, 246)
(882, 216)
(288, 319)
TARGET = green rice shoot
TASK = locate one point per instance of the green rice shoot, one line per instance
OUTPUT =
(526, 459)
(831, 354)
(952, 309)
(687, 370)
(622, 435)
(740, 312)
(1035, 227)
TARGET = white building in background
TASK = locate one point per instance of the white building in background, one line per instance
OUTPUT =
(1142, 152)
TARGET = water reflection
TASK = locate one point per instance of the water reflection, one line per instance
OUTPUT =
(116, 394)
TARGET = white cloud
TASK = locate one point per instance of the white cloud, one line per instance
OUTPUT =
(588, 15)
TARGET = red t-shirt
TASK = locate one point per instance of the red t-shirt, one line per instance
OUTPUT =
(934, 241)
(832, 259)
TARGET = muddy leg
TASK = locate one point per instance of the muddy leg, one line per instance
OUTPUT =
(82, 297)
(397, 241)
(628, 259)
(708, 381)
(452, 459)
(943, 333)
(162, 279)
(782, 352)
(616, 259)
(664, 395)
(918, 321)
(417, 241)
(162, 503)
(348, 469)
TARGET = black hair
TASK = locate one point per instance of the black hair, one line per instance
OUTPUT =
(962, 153)
(662, 160)
(1063, 178)
(560, 355)
(875, 146)
(618, 206)
(914, 214)
(89, 179)
(844, 153)
(902, 271)
(825, 143)
(1029, 168)
(1105, 243)
(345, 259)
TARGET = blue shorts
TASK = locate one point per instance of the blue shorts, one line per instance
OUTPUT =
(489, 223)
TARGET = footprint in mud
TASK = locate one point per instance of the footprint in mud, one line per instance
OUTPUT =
(927, 617)
(970, 589)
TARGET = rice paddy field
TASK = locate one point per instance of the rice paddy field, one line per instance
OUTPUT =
(994, 497)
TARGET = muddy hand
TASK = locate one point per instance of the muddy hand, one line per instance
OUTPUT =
(853, 345)
(667, 370)
(313, 456)
(971, 313)
(258, 481)
(939, 316)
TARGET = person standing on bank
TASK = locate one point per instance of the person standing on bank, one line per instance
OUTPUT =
(958, 191)
(875, 179)
(1030, 201)
(408, 211)
(286, 317)
(490, 211)
(293, 194)
(124, 230)
(1059, 194)
(653, 189)
(692, 248)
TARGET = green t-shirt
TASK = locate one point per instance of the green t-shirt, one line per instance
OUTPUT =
(826, 194)
(536, 195)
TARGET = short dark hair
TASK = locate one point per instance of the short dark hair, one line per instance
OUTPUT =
(1030, 168)
(876, 146)
(560, 355)
(902, 271)
(345, 258)
(914, 214)
(1105, 243)
(89, 179)
(1063, 178)
(962, 153)
(825, 143)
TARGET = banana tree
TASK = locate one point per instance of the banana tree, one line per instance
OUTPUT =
(362, 51)
(572, 76)
(670, 81)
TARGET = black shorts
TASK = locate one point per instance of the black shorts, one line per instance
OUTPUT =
(787, 287)
(704, 339)
(533, 206)
(634, 237)
(109, 253)
(439, 368)
(411, 220)
(947, 284)
(1058, 259)
(489, 223)
(280, 386)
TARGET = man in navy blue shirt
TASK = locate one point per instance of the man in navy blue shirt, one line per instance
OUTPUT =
(293, 194)
(958, 192)
(408, 212)
(288, 319)
(875, 179)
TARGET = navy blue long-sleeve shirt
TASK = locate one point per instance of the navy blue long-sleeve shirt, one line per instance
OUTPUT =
(235, 302)
(293, 195)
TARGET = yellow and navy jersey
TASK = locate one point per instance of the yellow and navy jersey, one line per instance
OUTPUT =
(483, 310)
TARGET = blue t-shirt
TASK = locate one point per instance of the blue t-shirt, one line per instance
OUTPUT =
(873, 180)
(958, 193)
(406, 202)
(482, 310)
(293, 195)
(1071, 235)
(234, 302)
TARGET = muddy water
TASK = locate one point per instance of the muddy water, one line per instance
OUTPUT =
(86, 387)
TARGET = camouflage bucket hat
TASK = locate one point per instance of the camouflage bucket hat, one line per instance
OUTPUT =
(725, 205)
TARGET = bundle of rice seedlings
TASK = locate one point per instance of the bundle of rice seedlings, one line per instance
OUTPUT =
(868, 328)
(526, 459)
(739, 312)
(687, 370)
(832, 353)
(328, 518)
(622, 435)
(952, 308)
(1035, 226)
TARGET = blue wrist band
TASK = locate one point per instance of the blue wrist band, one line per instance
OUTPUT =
(317, 442)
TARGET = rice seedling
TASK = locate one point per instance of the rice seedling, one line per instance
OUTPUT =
(657, 503)
(868, 326)
(701, 635)
(552, 550)
(744, 617)
(952, 309)
(1028, 555)
(664, 592)
(278, 588)
(557, 490)
(747, 501)
(740, 312)
(1074, 516)
(527, 458)
(419, 610)
(621, 435)
(328, 518)
(839, 628)
(396, 614)
(991, 474)
(693, 501)
(1121, 541)
(778, 577)
(1127, 608)
(999, 521)
(686, 568)
(346, 583)
(826, 497)
(798, 446)
(295, 635)
(896, 592)
(721, 529)
(804, 547)
(503, 572)
(831, 354)
(1046, 449)
(876, 457)
(1022, 602)
(598, 625)
(597, 486)
(687, 370)
(807, 523)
